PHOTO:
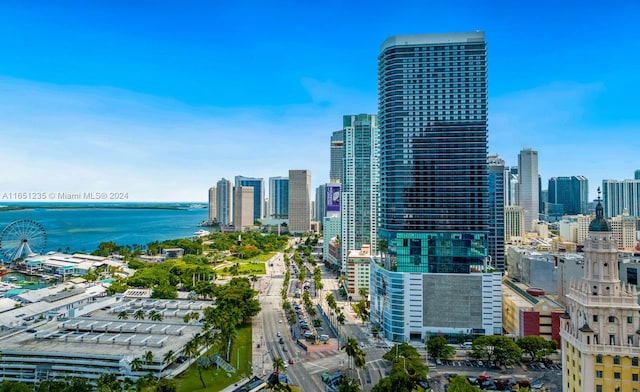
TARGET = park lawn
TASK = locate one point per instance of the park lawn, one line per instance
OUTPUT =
(216, 379)
(243, 269)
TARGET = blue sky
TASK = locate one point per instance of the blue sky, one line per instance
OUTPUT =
(162, 99)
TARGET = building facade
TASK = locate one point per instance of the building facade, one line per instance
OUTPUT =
(224, 201)
(358, 271)
(528, 188)
(337, 156)
(299, 201)
(279, 197)
(571, 192)
(433, 211)
(211, 205)
(495, 237)
(258, 194)
(359, 189)
(600, 341)
(243, 216)
(513, 223)
(620, 195)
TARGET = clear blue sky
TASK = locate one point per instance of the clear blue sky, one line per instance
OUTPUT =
(161, 99)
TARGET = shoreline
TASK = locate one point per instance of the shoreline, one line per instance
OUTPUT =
(80, 206)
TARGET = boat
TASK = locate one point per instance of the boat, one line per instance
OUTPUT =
(13, 279)
(3, 271)
(201, 233)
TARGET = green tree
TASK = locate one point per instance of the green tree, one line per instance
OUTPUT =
(139, 314)
(108, 382)
(166, 385)
(536, 347)
(461, 384)
(348, 384)
(123, 315)
(136, 364)
(148, 357)
(500, 349)
(438, 347)
(169, 357)
(165, 292)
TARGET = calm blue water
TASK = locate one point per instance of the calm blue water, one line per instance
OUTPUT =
(83, 228)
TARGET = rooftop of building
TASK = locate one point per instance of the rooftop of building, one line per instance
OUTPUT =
(523, 297)
(437, 38)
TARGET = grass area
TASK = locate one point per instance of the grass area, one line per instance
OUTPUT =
(242, 269)
(217, 380)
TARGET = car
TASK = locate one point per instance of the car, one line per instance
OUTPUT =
(278, 334)
(280, 321)
(480, 364)
(284, 348)
(438, 361)
(281, 341)
(320, 329)
(536, 384)
(290, 361)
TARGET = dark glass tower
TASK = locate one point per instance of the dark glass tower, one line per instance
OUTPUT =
(432, 107)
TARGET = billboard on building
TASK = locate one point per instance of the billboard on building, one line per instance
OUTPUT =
(333, 198)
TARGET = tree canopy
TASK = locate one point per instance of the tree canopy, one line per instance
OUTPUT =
(499, 349)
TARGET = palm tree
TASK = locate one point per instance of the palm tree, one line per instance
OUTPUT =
(148, 357)
(351, 348)
(155, 316)
(168, 357)
(278, 365)
(139, 314)
(363, 291)
(123, 315)
(136, 364)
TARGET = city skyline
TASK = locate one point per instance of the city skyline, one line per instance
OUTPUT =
(98, 99)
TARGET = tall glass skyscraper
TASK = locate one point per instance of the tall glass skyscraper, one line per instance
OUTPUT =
(224, 201)
(337, 156)
(572, 192)
(279, 197)
(360, 184)
(432, 105)
(495, 246)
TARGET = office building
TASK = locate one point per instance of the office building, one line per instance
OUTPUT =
(528, 186)
(357, 269)
(618, 195)
(511, 186)
(279, 197)
(337, 156)
(299, 201)
(623, 229)
(571, 192)
(224, 201)
(331, 251)
(243, 214)
(359, 189)
(495, 237)
(212, 204)
(258, 194)
(433, 215)
(513, 223)
(600, 341)
(320, 205)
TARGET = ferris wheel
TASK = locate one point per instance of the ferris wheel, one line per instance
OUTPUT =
(22, 238)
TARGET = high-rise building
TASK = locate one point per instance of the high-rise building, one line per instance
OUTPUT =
(224, 201)
(636, 174)
(511, 185)
(337, 155)
(299, 201)
(359, 190)
(433, 215)
(243, 215)
(513, 223)
(618, 195)
(528, 189)
(212, 204)
(320, 206)
(572, 192)
(279, 197)
(258, 194)
(495, 237)
(600, 343)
